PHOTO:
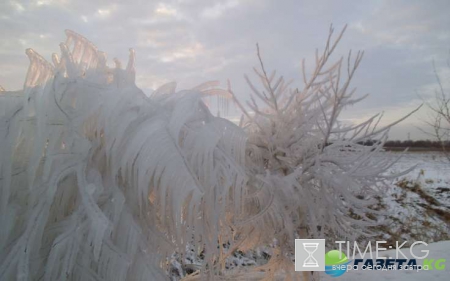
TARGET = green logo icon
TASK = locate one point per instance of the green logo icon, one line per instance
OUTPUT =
(335, 263)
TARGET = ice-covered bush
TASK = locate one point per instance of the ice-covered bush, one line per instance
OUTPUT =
(100, 182)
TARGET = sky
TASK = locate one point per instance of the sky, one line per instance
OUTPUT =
(193, 41)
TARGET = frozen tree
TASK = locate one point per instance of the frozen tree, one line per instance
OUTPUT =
(100, 182)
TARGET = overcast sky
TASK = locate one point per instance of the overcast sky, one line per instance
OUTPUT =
(192, 41)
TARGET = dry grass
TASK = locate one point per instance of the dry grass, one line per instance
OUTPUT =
(427, 220)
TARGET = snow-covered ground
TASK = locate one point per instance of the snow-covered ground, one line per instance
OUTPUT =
(435, 167)
(417, 208)
(418, 203)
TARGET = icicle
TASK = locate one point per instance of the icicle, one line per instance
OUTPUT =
(85, 59)
(102, 58)
(77, 51)
(55, 60)
(131, 61)
(117, 63)
(227, 104)
(131, 71)
(218, 106)
(38, 71)
(71, 68)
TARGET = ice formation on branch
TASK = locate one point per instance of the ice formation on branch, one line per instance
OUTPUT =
(100, 182)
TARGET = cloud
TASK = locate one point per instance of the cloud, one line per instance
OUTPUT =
(165, 10)
(407, 24)
(219, 9)
(191, 41)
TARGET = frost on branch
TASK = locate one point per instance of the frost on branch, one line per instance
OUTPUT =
(310, 175)
(100, 182)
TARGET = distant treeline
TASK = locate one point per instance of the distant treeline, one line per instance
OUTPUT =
(413, 144)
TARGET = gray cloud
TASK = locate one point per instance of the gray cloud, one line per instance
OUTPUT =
(191, 41)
